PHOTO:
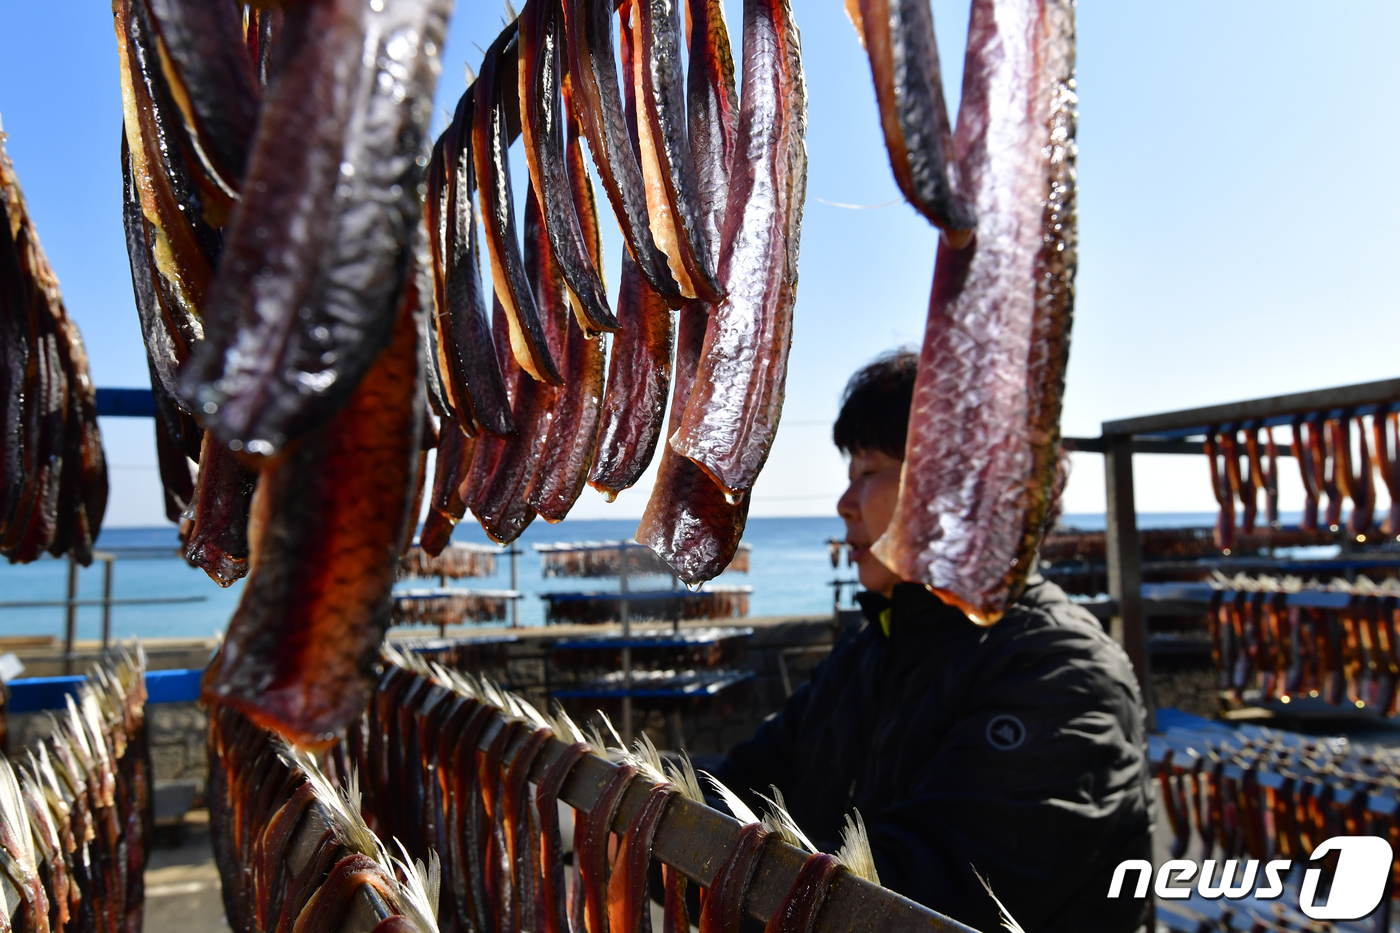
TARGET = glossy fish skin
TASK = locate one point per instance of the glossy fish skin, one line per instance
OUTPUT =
(591, 832)
(329, 522)
(211, 77)
(597, 93)
(733, 410)
(219, 541)
(627, 889)
(555, 918)
(712, 103)
(798, 911)
(468, 337)
(15, 342)
(688, 520)
(542, 126)
(722, 904)
(316, 257)
(156, 335)
(572, 444)
(454, 457)
(490, 145)
(176, 433)
(667, 165)
(82, 498)
(499, 499)
(982, 448)
(899, 41)
(639, 375)
(183, 246)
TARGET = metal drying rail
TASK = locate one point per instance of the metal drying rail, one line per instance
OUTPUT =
(695, 840)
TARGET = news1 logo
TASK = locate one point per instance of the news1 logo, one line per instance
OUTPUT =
(1359, 883)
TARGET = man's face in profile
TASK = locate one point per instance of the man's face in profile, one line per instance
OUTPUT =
(867, 507)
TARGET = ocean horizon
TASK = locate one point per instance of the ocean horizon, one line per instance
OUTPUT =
(791, 574)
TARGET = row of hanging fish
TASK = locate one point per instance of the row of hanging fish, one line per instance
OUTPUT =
(76, 811)
(312, 327)
(455, 561)
(1244, 464)
(1343, 648)
(1254, 795)
(707, 189)
(712, 601)
(442, 607)
(291, 847)
(606, 559)
(53, 471)
(431, 753)
(982, 467)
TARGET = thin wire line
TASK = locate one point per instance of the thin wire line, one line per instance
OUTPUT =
(859, 207)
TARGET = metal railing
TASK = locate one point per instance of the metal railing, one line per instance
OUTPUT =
(72, 602)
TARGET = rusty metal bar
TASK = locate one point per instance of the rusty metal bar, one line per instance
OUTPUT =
(695, 840)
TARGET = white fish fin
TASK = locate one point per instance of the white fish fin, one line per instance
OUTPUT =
(648, 760)
(1007, 920)
(780, 821)
(855, 851)
(736, 806)
(420, 887)
(682, 775)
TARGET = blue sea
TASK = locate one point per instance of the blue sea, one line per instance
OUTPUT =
(790, 573)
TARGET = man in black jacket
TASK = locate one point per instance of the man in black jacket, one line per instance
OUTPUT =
(1016, 751)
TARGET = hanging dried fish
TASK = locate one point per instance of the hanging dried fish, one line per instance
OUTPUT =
(673, 200)
(528, 342)
(898, 38)
(639, 374)
(219, 540)
(1385, 427)
(733, 410)
(204, 59)
(572, 445)
(183, 246)
(53, 474)
(983, 445)
(472, 369)
(504, 467)
(330, 520)
(542, 121)
(598, 94)
(308, 290)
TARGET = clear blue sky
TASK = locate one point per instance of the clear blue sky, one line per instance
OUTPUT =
(1238, 202)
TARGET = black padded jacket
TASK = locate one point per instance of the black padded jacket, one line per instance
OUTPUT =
(1018, 750)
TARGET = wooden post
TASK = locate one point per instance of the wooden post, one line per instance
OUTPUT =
(71, 628)
(1124, 552)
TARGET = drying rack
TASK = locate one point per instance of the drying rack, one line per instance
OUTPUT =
(444, 605)
(625, 559)
(1184, 432)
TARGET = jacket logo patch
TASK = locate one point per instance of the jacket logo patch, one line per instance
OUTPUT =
(1006, 732)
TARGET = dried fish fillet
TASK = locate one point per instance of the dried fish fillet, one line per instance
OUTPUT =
(329, 522)
(598, 94)
(734, 406)
(982, 450)
(899, 40)
(307, 293)
(490, 146)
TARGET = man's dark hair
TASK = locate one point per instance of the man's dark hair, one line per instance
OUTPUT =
(875, 406)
